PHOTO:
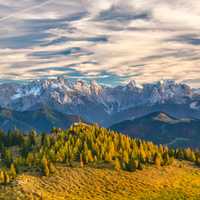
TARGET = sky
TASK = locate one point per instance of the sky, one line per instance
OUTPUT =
(111, 41)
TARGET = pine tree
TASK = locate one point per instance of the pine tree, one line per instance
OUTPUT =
(180, 154)
(117, 165)
(30, 159)
(6, 178)
(111, 148)
(52, 168)
(142, 155)
(192, 157)
(136, 164)
(45, 168)
(81, 161)
(140, 166)
(133, 165)
(189, 155)
(7, 156)
(13, 172)
(125, 157)
(89, 155)
(108, 157)
(197, 161)
(32, 138)
(157, 160)
(1, 177)
(166, 159)
(46, 141)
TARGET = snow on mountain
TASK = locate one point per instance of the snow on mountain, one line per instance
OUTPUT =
(196, 91)
(93, 101)
(195, 105)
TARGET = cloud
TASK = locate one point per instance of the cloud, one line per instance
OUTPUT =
(108, 40)
(193, 39)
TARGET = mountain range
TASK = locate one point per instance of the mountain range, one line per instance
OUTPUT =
(102, 104)
(130, 108)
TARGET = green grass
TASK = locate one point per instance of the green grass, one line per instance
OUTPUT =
(179, 181)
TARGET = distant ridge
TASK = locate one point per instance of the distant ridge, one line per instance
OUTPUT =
(42, 120)
(162, 128)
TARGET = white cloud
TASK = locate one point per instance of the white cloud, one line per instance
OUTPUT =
(134, 39)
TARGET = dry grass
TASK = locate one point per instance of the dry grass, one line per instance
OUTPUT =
(89, 183)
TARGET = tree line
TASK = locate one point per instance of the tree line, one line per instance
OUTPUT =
(85, 144)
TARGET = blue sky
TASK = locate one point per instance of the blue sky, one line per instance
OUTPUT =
(111, 41)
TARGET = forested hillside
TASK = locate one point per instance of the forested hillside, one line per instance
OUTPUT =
(85, 144)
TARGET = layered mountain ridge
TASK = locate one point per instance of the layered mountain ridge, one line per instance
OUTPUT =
(162, 128)
(42, 120)
(99, 103)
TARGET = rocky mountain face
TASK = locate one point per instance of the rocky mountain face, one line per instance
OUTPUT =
(102, 104)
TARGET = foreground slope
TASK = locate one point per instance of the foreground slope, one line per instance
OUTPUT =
(91, 162)
(178, 181)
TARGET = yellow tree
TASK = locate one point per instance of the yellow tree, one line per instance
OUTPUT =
(117, 164)
(13, 172)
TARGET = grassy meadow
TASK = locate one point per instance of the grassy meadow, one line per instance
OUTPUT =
(180, 180)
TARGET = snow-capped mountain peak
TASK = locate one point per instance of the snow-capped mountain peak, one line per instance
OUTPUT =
(85, 99)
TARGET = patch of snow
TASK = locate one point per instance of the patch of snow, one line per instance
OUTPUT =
(54, 85)
(194, 105)
(16, 96)
(35, 91)
(196, 91)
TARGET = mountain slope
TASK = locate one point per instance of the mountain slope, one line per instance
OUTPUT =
(162, 128)
(95, 183)
(42, 120)
(91, 162)
(102, 104)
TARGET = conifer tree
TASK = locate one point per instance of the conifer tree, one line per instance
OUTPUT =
(142, 154)
(157, 160)
(166, 159)
(52, 168)
(6, 178)
(44, 165)
(197, 161)
(32, 138)
(7, 156)
(108, 157)
(90, 156)
(81, 160)
(140, 166)
(117, 165)
(30, 159)
(180, 154)
(13, 172)
(1, 177)
(130, 166)
(125, 157)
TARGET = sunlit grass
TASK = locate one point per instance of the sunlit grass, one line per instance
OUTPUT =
(179, 181)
